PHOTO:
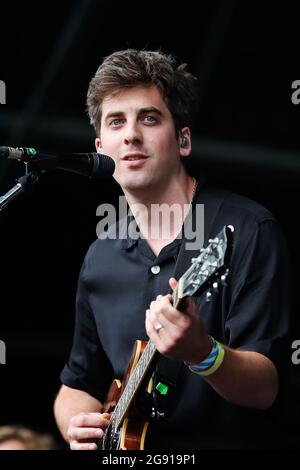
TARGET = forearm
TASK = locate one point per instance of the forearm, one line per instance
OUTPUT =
(71, 402)
(246, 378)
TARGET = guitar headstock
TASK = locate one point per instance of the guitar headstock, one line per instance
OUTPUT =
(209, 267)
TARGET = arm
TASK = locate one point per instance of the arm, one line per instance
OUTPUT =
(245, 378)
(78, 417)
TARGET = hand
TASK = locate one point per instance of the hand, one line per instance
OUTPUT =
(85, 429)
(175, 334)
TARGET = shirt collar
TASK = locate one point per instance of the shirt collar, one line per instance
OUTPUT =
(128, 226)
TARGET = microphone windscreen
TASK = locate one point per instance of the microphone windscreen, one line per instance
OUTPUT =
(106, 166)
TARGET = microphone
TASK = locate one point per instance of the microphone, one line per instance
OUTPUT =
(92, 164)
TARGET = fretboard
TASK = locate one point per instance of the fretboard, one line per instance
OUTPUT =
(133, 384)
(136, 379)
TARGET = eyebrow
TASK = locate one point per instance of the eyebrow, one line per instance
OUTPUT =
(149, 109)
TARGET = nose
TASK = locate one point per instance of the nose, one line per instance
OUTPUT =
(133, 134)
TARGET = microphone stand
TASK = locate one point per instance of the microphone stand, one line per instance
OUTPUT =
(24, 183)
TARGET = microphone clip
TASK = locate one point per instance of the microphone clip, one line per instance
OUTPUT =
(23, 184)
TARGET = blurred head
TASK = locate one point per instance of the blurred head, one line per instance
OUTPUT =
(131, 68)
(17, 437)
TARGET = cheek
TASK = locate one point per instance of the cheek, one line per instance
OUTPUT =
(110, 145)
(166, 146)
(166, 139)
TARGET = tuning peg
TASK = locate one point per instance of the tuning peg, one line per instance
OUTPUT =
(224, 278)
(214, 241)
(208, 296)
(215, 287)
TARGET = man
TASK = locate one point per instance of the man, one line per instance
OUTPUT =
(231, 349)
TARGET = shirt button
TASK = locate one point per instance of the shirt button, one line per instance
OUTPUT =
(155, 269)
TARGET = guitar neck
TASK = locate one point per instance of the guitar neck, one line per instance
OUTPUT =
(137, 376)
(178, 300)
(133, 384)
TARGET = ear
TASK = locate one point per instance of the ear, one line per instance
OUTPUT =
(98, 145)
(185, 144)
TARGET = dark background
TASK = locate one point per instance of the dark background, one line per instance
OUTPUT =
(245, 137)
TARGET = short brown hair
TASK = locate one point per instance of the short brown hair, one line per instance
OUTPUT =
(30, 439)
(130, 68)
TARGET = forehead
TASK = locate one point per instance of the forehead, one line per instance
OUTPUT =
(133, 99)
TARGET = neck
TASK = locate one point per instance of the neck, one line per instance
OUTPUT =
(160, 211)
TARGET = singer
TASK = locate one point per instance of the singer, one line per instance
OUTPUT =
(229, 354)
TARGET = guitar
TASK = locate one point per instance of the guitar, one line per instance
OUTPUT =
(127, 428)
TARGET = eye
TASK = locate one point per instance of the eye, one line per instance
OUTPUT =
(115, 122)
(150, 119)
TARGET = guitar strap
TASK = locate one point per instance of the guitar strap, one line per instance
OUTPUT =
(167, 370)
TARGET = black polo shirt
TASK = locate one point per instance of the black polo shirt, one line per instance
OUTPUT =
(120, 277)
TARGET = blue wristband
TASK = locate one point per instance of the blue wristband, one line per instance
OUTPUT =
(211, 363)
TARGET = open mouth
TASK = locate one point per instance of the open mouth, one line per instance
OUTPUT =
(134, 156)
(132, 159)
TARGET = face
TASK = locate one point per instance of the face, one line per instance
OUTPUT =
(138, 132)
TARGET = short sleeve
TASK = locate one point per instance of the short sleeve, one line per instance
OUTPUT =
(258, 318)
(88, 367)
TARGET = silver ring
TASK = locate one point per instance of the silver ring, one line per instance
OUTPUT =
(158, 328)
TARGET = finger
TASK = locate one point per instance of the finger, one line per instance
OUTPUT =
(89, 420)
(159, 297)
(153, 328)
(84, 433)
(151, 316)
(74, 445)
(166, 313)
(151, 320)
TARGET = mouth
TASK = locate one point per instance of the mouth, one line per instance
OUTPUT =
(133, 156)
(134, 160)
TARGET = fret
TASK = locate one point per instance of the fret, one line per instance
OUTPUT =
(134, 382)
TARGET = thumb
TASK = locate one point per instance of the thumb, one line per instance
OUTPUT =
(173, 283)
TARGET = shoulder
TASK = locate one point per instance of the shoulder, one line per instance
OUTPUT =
(106, 247)
(235, 205)
(253, 223)
(253, 209)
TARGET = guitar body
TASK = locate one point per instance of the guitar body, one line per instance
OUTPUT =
(134, 427)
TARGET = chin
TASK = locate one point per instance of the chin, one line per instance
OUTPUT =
(133, 182)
